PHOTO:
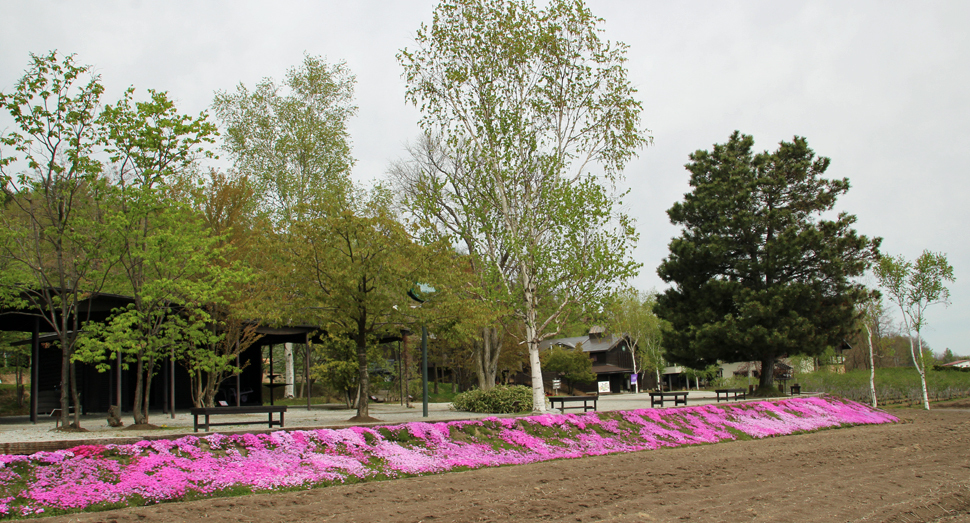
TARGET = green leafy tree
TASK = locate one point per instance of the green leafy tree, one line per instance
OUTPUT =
(571, 363)
(914, 287)
(229, 211)
(948, 356)
(338, 367)
(51, 236)
(757, 272)
(168, 262)
(359, 263)
(632, 314)
(291, 138)
(435, 187)
(534, 99)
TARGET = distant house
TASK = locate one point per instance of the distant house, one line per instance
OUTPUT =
(610, 354)
(962, 364)
(674, 377)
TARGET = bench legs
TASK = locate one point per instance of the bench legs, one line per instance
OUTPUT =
(195, 423)
(280, 422)
(727, 398)
(678, 400)
(562, 406)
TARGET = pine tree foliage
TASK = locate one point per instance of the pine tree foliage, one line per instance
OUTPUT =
(760, 271)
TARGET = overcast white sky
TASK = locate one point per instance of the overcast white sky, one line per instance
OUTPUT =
(879, 87)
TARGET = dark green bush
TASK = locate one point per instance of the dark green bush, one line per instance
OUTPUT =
(941, 368)
(498, 400)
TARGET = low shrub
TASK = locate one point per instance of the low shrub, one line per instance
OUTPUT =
(497, 400)
(941, 368)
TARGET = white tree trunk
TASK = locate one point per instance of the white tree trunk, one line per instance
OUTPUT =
(532, 338)
(918, 361)
(872, 371)
(917, 358)
(289, 377)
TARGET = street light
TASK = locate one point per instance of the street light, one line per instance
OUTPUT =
(420, 293)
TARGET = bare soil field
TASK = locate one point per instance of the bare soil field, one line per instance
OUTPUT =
(914, 471)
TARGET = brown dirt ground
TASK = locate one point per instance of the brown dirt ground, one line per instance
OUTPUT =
(914, 471)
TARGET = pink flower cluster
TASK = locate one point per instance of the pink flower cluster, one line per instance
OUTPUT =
(162, 470)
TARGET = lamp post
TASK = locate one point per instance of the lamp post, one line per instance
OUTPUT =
(420, 293)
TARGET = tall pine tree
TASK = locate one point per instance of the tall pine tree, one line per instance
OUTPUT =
(757, 272)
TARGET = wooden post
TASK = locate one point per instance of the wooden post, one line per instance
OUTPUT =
(118, 382)
(238, 378)
(171, 388)
(271, 380)
(34, 369)
(165, 405)
(424, 371)
(306, 370)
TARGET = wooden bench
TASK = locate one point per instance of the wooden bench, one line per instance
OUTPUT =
(657, 398)
(727, 392)
(563, 400)
(254, 409)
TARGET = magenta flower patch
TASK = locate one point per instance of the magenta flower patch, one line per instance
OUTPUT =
(192, 467)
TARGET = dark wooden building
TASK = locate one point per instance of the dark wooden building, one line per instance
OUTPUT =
(611, 356)
(99, 390)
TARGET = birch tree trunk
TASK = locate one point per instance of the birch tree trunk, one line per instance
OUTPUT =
(532, 339)
(920, 366)
(289, 377)
(872, 370)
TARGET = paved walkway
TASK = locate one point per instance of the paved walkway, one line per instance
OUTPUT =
(18, 434)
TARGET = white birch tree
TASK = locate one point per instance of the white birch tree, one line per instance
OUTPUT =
(290, 138)
(633, 316)
(872, 367)
(536, 101)
(436, 187)
(871, 316)
(914, 287)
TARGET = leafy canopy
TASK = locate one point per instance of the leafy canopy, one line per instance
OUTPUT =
(291, 138)
(632, 314)
(534, 100)
(757, 272)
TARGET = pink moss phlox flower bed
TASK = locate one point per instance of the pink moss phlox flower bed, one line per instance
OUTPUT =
(192, 467)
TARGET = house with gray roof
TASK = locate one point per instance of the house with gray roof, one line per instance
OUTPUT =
(611, 356)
